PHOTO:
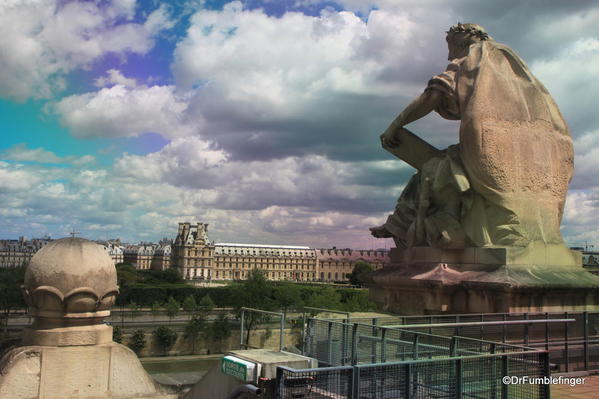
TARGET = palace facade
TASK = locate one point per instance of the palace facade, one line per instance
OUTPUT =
(196, 258)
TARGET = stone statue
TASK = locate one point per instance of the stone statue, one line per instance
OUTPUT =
(505, 183)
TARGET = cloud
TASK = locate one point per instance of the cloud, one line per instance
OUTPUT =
(115, 77)
(125, 111)
(272, 121)
(42, 41)
(21, 153)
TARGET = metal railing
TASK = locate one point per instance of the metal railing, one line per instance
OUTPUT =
(338, 343)
(573, 345)
(460, 377)
(243, 344)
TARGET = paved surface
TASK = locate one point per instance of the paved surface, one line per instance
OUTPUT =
(588, 390)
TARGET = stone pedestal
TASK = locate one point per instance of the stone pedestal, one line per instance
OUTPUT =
(538, 278)
(68, 352)
(95, 371)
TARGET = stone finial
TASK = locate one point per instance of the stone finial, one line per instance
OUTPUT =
(70, 285)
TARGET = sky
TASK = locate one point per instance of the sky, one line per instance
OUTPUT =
(121, 118)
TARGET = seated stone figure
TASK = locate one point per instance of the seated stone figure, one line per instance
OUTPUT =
(505, 183)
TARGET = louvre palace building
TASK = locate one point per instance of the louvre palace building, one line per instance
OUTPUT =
(196, 258)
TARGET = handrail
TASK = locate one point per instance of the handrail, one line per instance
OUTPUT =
(478, 323)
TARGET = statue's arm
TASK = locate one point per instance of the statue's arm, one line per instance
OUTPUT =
(420, 107)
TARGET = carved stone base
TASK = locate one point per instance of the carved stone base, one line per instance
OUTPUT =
(539, 278)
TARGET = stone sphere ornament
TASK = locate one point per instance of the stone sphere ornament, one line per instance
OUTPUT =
(70, 285)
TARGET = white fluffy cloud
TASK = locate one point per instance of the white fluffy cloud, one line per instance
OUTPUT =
(125, 111)
(44, 40)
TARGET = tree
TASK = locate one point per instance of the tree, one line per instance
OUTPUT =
(11, 298)
(165, 337)
(255, 292)
(359, 274)
(206, 304)
(171, 308)
(288, 295)
(328, 298)
(190, 305)
(220, 330)
(137, 341)
(155, 309)
(194, 328)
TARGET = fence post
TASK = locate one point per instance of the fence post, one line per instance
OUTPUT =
(383, 346)
(504, 328)
(415, 347)
(566, 346)
(453, 346)
(307, 336)
(355, 383)
(241, 344)
(458, 379)
(279, 383)
(304, 328)
(354, 344)
(546, 373)
(282, 337)
(526, 330)
(375, 330)
(504, 372)
(482, 333)
(408, 381)
(330, 343)
(585, 331)
(546, 331)
(344, 343)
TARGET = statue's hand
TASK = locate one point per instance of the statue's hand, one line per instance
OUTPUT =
(390, 138)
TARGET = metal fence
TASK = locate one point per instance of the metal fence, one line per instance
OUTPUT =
(572, 346)
(368, 361)
(477, 377)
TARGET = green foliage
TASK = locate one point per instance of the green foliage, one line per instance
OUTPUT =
(137, 341)
(11, 299)
(359, 302)
(172, 308)
(193, 329)
(359, 274)
(219, 331)
(255, 292)
(288, 296)
(117, 334)
(169, 276)
(155, 309)
(189, 304)
(206, 304)
(327, 297)
(165, 337)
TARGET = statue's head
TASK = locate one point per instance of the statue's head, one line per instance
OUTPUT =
(461, 36)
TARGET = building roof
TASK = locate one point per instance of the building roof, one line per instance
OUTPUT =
(227, 244)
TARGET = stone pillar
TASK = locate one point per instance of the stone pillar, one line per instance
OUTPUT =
(70, 285)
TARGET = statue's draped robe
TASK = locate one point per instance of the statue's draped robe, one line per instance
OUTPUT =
(515, 151)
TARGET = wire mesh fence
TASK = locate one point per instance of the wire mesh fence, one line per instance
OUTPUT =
(476, 377)
(573, 346)
(376, 359)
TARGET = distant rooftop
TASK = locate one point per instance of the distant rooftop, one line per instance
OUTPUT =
(228, 244)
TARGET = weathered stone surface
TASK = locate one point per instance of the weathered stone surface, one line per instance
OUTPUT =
(477, 227)
(78, 372)
(505, 183)
(70, 285)
(484, 280)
